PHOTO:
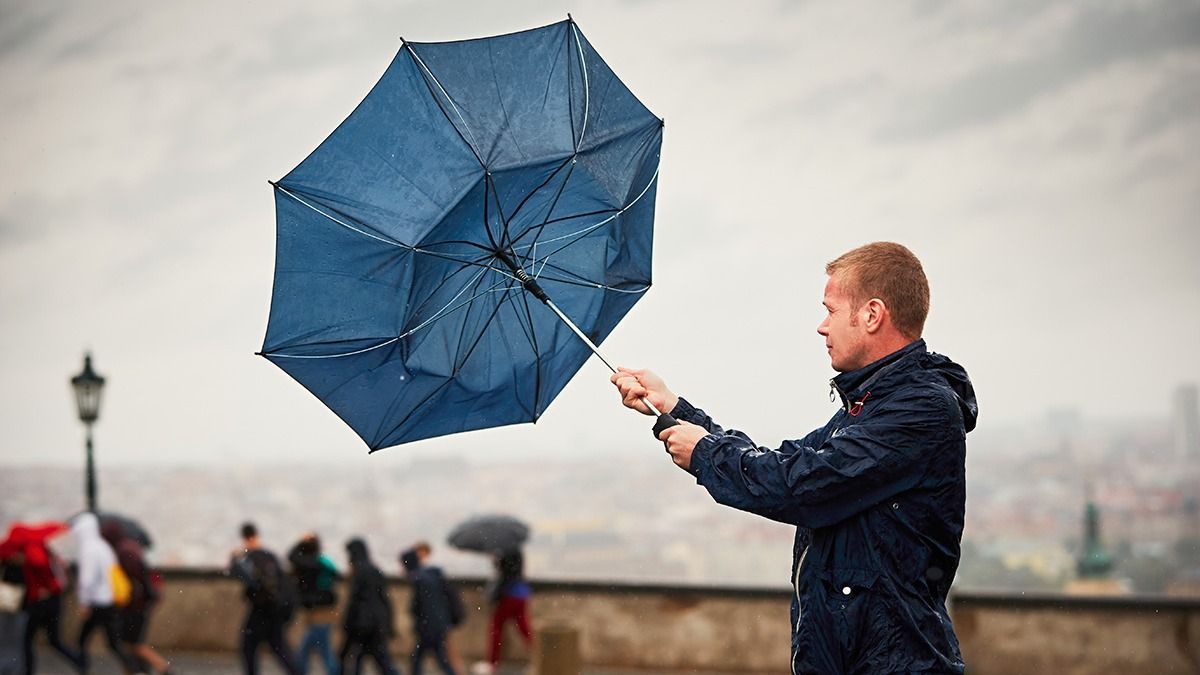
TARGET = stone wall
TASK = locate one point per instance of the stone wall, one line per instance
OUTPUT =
(746, 630)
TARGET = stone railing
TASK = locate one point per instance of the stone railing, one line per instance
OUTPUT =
(746, 630)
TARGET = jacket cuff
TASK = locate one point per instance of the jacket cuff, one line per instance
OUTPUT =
(687, 412)
(701, 463)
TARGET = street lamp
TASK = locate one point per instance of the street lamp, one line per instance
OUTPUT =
(88, 386)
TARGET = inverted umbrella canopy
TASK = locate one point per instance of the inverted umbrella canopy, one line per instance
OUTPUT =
(440, 256)
(21, 535)
(489, 534)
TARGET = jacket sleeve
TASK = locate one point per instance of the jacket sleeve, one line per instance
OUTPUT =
(785, 513)
(869, 461)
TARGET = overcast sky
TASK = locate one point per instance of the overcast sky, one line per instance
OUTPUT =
(1039, 157)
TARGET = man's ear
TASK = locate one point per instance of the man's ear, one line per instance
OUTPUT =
(875, 312)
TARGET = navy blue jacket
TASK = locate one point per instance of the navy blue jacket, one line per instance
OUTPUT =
(878, 497)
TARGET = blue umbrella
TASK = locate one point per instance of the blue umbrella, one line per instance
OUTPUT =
(454, 251)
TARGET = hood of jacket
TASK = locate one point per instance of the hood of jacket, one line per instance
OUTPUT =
(96, 559)
(855, 386)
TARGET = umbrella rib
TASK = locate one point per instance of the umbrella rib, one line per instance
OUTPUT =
(442, 313)
(580, 234)
(534, 191)
(582, 280)
(463, 334)
(541, 228)
(390, 242)
(440, 387)
(586, 95)
(531, 335)
(427, 72)
(570, 88)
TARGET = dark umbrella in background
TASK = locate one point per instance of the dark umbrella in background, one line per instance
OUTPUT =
(489, 534)
(130, 527)
(454, 251)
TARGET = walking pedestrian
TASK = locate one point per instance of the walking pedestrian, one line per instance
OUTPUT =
(509, 594)
(30, 563)
(436, 607)
(269, 602)
(134, 615)
(315, 574)
(97, 565)
(369, 619)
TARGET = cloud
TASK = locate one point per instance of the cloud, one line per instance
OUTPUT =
(1096, 38)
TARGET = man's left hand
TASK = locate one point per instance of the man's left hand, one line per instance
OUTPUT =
(681, 440)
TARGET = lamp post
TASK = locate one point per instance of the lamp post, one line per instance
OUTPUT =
(88, 386)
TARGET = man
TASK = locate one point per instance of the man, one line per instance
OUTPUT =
(268, 593)
(877, 494)
(436, 608)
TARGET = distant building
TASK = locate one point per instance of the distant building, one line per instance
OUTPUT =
(1185, 421)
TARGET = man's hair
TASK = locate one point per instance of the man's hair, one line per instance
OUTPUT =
(422, 547)
(891, 273)
(249, 531)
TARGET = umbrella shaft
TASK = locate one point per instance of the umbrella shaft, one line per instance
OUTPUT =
(591, 345)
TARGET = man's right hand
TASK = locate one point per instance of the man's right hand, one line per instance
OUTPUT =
(636, 385)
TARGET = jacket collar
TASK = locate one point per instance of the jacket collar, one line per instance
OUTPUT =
(852, 386)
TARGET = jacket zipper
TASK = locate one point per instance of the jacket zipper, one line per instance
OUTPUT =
(799, 603)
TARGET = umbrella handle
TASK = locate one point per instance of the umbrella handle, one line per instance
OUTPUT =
(664, 421)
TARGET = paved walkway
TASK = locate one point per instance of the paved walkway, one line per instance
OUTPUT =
(49, 663)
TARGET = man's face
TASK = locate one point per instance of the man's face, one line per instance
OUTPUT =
(844, 332)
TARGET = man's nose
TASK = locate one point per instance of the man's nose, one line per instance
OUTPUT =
(822, 328)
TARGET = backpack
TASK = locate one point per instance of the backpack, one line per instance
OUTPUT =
(454, 602)
(268, 588)
(122, 587)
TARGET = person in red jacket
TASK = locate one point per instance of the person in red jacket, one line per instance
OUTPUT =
(43, 577)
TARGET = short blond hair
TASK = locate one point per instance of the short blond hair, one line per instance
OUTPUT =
(890, 272)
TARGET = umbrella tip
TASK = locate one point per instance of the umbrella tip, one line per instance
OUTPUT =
(569, 17)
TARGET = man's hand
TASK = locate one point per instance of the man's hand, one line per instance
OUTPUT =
(635, 385)
(681, 440)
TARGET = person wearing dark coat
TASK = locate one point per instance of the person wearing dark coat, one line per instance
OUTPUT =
(877, 494)
(135, 614)
(315, 573)
(269, 603)
(436, 608)
(369, 621)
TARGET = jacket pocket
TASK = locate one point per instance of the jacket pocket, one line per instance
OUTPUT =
(860, 625)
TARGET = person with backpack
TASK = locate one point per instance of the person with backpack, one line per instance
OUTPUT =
(143, 594)
(436, 608)
(369, 619)
(314, 574)
(99, 597)
(269, 601)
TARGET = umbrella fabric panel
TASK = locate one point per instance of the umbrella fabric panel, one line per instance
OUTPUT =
(394, 164)
(509, 97)
(319, 264)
